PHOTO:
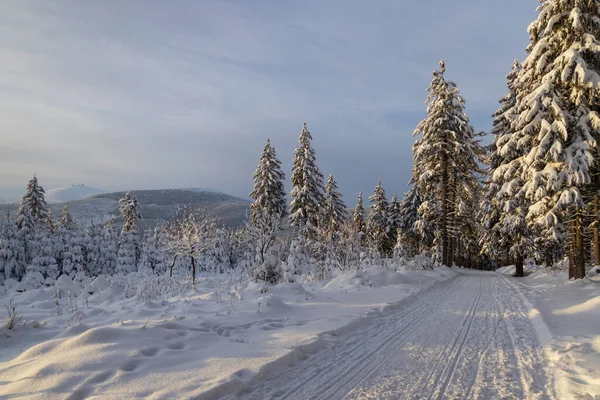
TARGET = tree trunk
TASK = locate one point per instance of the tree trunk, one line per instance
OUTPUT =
(579, 250)
(193, 269)
(596, 231)
(519, 273)
(172, 266)
(548, 257)
(444, 219)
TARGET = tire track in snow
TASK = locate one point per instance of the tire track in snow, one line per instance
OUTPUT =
(327, 365)
(461, 338)
(465, 338)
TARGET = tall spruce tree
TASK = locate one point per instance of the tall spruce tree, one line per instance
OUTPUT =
(11, 250)
(505, 231)
(445, 159)
(394, 214)
(269, 205)
(557, 121)
(26, 234)
(35, 201)
(335, 213)
(413, 237)
(378, 226)
(307, 188)
(268, 192)
(129, 240)
(360, 227)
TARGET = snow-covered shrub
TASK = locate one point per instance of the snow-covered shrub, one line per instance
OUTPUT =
(270, 270)
(153, 286)
(12, 319)
(34, 280)
(419, 263)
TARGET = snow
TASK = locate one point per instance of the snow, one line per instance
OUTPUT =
(71, 193)
(568, 314)
(212, 340)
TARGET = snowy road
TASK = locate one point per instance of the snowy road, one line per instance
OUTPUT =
(470, 337)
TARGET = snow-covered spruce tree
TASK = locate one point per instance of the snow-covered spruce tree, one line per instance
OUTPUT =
(67, 220)
(271, 270)
(11, 250)
(507, 231)
(91, 245)
(129, 240)
(268, 192)
(445, 158)
(26, 235)
(298, 262)
(307, 188)
(360, 226)
(35, 201)
(72, 253)
(400, 254)
(108, 249)
(378, 226)
(216, 253)
(45, 261)
(269, 206)
(153, 257)
(394, 214)
(414, 241)
(51, 226)
(334, 213)
(491, 242)
(557, 119)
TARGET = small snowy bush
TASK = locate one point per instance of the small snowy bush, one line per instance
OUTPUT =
(12, 319)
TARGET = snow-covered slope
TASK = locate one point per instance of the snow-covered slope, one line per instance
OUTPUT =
(216, 339)
(71, 193)
(568, 316)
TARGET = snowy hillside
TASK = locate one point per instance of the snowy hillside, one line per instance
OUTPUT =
(71, 193)
(231, 335)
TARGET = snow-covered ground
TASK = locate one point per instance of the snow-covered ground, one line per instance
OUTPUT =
(567, 315)
(214, 340)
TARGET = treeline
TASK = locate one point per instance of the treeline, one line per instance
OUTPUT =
(532, 193)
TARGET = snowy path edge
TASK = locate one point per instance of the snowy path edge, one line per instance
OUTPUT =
(244, 381)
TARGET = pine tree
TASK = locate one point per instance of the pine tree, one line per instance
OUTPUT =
(445, 158)
(394, 214)
(269, 192)
(91, 244)
(35, 201)
(269, 206)
(307, 191)
(11, 250)
(71, 258)
(50, 225)
(45, 261)
(153, 257)
(378, 226)
(129, 241)
(359, 219)
(503, 205)
(557, 119)
(108, 250)
(26, 235)
(412, 232)
(67, 220)
(335, 213)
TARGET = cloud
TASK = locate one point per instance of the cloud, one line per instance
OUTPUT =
(153, 94)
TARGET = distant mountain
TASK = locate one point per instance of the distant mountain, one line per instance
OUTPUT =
(71, 193)
(156, 206)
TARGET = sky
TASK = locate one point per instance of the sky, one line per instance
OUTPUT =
(150, 94)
